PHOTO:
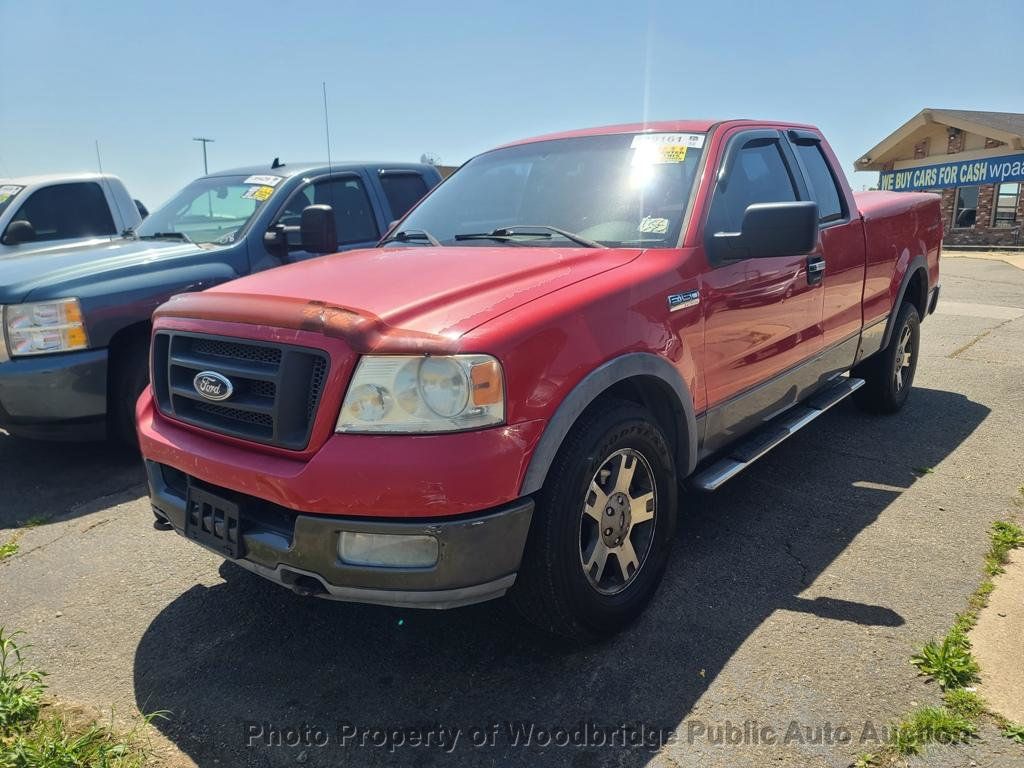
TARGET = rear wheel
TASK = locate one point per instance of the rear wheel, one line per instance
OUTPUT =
(889, 374)
(602, 527)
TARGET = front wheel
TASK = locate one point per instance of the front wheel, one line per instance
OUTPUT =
(889, 374)
(602, 526)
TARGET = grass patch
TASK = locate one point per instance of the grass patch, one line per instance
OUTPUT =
(1014, 732)
(952, 665)
(950, 662)
(927, 725)
(9, 548)
(35, 735)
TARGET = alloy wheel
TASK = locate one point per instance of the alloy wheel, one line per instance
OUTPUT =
(618, 521)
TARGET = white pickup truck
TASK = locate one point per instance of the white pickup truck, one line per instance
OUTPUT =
(39, 213)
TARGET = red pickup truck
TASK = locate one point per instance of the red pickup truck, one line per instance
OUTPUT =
(504, 394)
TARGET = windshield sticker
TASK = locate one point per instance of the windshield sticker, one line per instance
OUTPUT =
(267, 181)
(691, 140)
(653, 225)
(259, 194)
(8, 191)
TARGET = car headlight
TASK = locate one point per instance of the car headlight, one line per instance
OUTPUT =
(417, 393)
(44, 327)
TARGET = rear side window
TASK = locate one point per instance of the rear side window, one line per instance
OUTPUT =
(65, 211)
(403, 191)
(758, 174)
(824, 190)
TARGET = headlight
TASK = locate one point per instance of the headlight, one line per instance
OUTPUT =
(414, 393)
(44, 327)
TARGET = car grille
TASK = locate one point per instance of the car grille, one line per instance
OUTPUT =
(276, 388)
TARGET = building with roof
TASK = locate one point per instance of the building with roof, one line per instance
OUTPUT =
(975, 160)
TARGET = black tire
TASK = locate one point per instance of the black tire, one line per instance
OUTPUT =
(889, 374)
(553, 591)
(129, 374)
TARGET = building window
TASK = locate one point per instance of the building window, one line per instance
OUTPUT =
(1004, 213)
(966, 209)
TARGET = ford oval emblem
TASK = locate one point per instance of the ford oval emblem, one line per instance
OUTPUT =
(213, 386)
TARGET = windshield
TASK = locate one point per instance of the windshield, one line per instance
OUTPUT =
(613, 190)
(7, 194)
(211, 210)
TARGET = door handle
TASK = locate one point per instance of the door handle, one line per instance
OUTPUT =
(815, 269)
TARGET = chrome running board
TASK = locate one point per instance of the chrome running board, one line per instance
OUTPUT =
(752, 448)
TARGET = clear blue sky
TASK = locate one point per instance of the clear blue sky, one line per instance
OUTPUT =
(454, 78)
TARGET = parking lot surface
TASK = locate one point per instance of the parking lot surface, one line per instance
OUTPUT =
(794, 599)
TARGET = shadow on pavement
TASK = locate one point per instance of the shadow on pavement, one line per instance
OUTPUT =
(247, 654)
(40, 481)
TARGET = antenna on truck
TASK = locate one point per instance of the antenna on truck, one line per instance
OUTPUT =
(106, 182)
(327, 134)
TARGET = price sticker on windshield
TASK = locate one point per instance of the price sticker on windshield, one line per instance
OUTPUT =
(264, 180)
(662, 148)
(7, 191)
(259, 194)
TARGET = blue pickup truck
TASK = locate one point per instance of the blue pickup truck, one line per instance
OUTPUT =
(74, 322)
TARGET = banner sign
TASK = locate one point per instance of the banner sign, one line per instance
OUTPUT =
(990, 170)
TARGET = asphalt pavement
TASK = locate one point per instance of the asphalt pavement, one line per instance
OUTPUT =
(781, 635)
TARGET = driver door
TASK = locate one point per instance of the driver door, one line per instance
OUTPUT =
(762, 316)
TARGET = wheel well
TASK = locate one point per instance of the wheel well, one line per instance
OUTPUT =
(657, 397)
(121, 341)
(917, 292)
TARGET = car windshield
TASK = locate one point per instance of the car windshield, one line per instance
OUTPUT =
(611, 190)
(7, 194)
(214, 210)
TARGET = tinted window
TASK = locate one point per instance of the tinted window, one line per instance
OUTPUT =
(403, 191)
(353, 214)
(823, 184)
(65, 211)
(758, 174)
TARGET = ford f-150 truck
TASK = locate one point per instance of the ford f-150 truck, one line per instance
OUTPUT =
(42, 213)
(75, 321)
(505, 394)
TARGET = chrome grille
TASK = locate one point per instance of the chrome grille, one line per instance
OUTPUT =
(276, 387)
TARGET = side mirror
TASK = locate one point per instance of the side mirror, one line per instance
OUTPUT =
(19, 231)
(319, 234)
(771, 229)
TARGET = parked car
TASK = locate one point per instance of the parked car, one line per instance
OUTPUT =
(39, 213)
(77, 319)
(504, 395)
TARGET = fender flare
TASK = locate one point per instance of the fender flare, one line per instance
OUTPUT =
(590, 387)
(917, 263)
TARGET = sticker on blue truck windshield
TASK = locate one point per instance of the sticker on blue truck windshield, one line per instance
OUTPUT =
(7, 191)
(259, 194)
(263, 180)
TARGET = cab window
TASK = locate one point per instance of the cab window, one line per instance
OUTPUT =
(757, 174)
(824, 190)
(403, 190)
(353, 214)
(66, 211)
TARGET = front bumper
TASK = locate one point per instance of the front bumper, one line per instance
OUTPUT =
(61, 396)
(479, 554)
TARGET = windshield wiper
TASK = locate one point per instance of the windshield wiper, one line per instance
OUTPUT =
(405, 235)
(166, 236)
(519, 230)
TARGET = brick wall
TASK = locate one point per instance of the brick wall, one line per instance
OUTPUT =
(982, 233)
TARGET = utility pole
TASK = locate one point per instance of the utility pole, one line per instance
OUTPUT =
(206, 170)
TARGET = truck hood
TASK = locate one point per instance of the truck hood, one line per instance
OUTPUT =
(423, 295)
(64, 271)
